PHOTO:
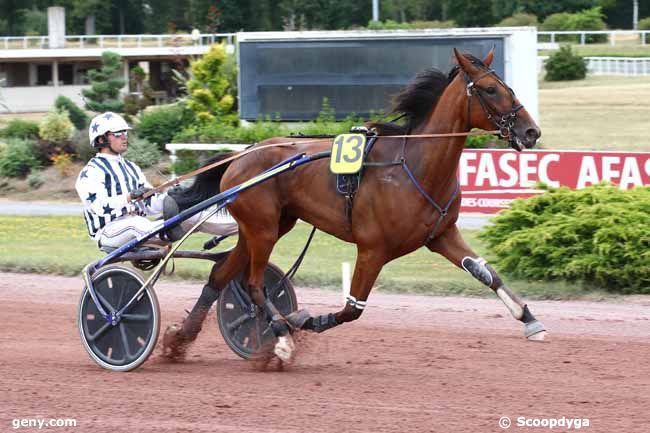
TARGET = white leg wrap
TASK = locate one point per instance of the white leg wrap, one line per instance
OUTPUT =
(515, 309)
(359, 305)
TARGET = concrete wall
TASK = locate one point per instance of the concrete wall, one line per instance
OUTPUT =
(38, 98)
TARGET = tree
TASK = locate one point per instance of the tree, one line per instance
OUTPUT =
(471, 13)
(105, 85)
(543, 8)
(210, 92)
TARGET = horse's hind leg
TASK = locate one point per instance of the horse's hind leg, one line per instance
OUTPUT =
(451, 245)
(260, 248)
(177, 339)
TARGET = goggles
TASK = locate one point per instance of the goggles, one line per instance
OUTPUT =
(118, 134)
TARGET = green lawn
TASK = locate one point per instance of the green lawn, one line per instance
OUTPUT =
(623, 48)
(61, 245)
(597, 113)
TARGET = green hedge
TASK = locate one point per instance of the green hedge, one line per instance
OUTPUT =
(598, 236)
(565, 65)
(78, 117)
(18, 157)
(159, 124)
(18, 128)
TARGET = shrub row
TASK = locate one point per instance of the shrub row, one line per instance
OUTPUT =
(598, 236)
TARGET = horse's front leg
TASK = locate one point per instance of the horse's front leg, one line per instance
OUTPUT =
(451, 245)
(367, 268)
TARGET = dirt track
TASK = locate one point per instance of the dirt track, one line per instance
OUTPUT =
(411, 364)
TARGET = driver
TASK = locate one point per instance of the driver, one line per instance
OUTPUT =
(111, 189)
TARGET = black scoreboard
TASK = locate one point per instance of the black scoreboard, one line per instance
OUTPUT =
(288, 77)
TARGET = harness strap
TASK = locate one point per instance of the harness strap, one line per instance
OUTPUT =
(442, 210)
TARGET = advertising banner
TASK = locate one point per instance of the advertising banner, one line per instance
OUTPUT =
(491, 178)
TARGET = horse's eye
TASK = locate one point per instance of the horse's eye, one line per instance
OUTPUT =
(491, 90)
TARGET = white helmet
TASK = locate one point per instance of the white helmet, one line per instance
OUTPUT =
(104, 123)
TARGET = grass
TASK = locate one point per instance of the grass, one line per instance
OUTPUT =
(625, 47)
(60, 245)
(598, 113)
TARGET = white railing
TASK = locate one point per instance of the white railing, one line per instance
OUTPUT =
(117, 41)
(612, 35)
(625, 66)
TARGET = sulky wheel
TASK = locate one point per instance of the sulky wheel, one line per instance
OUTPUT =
(128, 344)
(245, 327)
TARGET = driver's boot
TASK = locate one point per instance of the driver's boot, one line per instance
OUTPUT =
(170, 209)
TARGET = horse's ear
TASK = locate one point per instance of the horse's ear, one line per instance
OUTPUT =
(488, 59)
(464, 63)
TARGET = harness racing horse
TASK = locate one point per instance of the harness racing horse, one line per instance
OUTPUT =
(409, 198)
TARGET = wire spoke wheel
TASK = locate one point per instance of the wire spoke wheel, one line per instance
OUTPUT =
(126, 345)
(243, 325)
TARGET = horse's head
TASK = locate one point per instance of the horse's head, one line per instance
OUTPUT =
(491, 103)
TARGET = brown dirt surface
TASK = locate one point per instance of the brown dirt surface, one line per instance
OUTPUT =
(410, 364)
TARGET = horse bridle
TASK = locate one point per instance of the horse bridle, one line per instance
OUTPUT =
(504, 122)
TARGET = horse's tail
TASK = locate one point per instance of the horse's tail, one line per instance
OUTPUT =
(205, 185)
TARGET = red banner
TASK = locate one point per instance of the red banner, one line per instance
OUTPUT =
(490, 179)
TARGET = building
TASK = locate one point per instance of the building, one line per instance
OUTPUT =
(32, 74)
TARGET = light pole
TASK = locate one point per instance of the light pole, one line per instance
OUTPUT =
(635, 15)
(375, 10)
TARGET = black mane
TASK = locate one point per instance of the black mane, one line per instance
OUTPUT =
(419, 97)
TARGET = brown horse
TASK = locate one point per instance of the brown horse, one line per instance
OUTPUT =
(408, 198)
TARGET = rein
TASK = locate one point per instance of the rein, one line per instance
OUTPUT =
(176, 181)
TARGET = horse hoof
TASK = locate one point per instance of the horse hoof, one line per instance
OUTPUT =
(540, 336)
(174, 345)
(298, 318)
(284, 348)
(535, 331)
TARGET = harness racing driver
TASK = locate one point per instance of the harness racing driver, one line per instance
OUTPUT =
(111, 189)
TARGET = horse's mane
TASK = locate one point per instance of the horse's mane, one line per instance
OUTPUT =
(419, 97)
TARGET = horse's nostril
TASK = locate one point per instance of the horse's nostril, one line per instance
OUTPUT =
(532, 134)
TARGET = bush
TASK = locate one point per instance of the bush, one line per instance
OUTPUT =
(56, 126)
(187, 161)
(77, 116)
(519, 20)
(35, 179)
(159, 124)
(211, 93)
(81, 147)
(565, 65)
(644, 24)
(18, 128)
(485, 142)
(598, 235)
(142, 152)
(18, 158)
(589, 19)
(63, 164)
(435, 24)
(557, 22)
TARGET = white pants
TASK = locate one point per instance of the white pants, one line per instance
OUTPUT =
(122, 230)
